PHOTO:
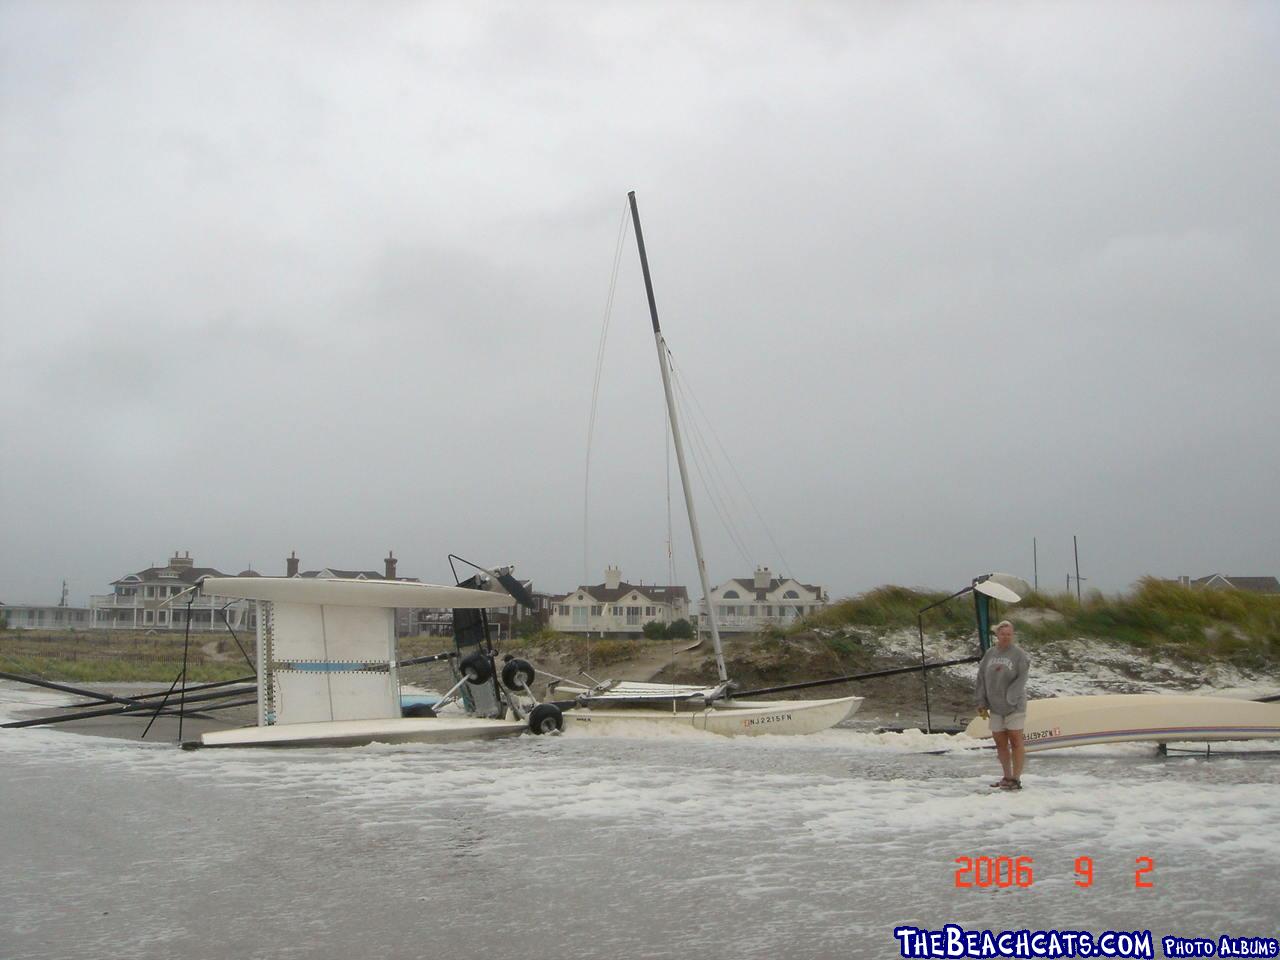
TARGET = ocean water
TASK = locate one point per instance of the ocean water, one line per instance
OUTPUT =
(583, 846)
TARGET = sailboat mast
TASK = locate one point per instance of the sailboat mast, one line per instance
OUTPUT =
(679, 444)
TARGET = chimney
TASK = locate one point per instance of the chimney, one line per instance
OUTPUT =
(291, 564)
(612, 577)
(764, 577)
(390, 564)
(180, 563)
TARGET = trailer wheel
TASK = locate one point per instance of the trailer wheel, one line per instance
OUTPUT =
(477, 668)
(517, 674)
(546, 718)
(418, 710)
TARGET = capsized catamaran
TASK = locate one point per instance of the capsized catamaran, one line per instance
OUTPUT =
(328, 673)
(614, 706)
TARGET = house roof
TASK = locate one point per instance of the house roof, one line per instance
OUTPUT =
(749, 584)
(603, 594)
(353, 575)
(185, 574)
(345, 574)
(1252, 584)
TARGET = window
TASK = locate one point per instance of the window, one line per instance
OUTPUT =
(562, 610)
(597, 610)
(579, 616)
(791, 595)
(633, 616)
(751, 610)
(731, 594)
(151, 591)
(768, 610)
(650, 611)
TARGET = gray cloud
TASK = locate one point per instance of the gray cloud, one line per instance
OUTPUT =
(331, 277)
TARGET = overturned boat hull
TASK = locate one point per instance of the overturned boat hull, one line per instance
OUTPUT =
(352, 733)
(1118, 718)
(730, 719)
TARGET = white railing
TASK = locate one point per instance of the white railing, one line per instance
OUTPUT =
(136, 602)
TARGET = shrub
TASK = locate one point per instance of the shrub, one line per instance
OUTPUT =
(527, 627)
(891, 606)
(680, 629)
(655, 630)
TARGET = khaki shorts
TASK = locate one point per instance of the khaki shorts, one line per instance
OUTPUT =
(1010, 721)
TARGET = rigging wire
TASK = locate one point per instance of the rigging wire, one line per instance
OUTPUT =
(786, 566)
(595, 393)
(717, 502)
(718, 486)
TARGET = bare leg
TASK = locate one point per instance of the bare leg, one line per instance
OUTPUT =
(1002, 751)
(1019, 754)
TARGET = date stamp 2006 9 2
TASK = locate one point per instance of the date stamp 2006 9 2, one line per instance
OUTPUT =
(1003, 872)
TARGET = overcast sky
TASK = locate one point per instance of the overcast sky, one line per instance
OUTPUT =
(943, 277)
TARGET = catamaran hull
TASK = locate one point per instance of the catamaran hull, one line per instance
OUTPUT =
(1117, 718)
(353, 733)
(741, 719)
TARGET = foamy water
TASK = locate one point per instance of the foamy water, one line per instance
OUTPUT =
(593, 846)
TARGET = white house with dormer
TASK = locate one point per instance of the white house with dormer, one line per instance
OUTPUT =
(617, 607)
(151, 599)
(747, 604)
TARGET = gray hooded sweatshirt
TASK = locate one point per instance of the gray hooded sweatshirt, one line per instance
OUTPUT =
(1002, 680)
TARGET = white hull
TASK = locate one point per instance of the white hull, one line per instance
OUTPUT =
(335, 591)
(1117, 718)
(350, 733)
(738, 719)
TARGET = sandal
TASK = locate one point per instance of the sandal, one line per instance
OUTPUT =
(1011, 785)
(1002, 783)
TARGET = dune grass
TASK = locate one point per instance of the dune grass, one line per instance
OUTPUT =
(892, 606)
(119, 656)
(1155, 615)
(600, 651)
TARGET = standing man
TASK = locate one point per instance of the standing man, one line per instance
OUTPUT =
(1002, 701)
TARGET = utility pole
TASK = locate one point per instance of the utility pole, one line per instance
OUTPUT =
(1035, 565)
(1075, 545)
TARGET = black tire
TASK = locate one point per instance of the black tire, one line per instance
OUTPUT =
(477, 668)
(417, 710)
(517, 673)
(546, 718)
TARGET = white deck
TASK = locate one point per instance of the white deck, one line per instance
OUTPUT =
(353, 593)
